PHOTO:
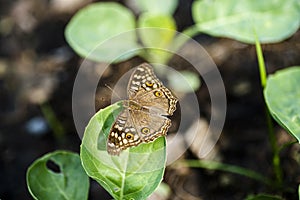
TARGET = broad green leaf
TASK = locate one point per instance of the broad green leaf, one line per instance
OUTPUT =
(157, 32)
(158, 6)
(271, 20)
(282, 95)
(69, 182)
(100, 32)
(135, 174)
(185, 81)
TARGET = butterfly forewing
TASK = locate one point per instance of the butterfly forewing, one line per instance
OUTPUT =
(142, 119)
(147, 90)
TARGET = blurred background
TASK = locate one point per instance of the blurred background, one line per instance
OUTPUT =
(37, 72)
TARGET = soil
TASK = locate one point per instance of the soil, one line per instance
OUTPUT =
(38, 69)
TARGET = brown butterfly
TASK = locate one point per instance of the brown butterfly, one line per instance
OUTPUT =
(143, 118)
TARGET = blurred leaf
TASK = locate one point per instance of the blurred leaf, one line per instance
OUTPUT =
(135, 174)
(282, 95)
(272, 20)
(158, 6)
(92, 32)
(185, 81)
(69, 181)
(156, 37)
(157, 33)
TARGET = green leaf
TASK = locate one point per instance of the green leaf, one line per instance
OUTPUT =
(135, 174)
(282, 96)
(272, 20)
(68, 182)
(157, 38)
(100, 32)
(157, 32)
(158, 6)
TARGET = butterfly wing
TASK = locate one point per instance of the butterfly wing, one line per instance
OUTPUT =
(142, 119)
(147, 90)
(122, 134)
(133, 127)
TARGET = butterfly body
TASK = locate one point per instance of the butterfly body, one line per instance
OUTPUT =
(144, 116)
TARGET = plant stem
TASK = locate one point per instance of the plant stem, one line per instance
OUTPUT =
(191, 31)
(213, 165)
(52, 120)
(261, 64)
(272, 138)
(181, 39)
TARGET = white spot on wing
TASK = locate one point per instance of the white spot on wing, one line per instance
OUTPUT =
(135, 83)
(134, 88)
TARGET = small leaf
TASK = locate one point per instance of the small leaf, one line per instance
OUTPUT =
(157, 32)
(58, 175)
(100, 32)
(158, 6)
(282, 95)
(135, 174)
(272, 20)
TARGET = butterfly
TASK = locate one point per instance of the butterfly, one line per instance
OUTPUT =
(144, 116)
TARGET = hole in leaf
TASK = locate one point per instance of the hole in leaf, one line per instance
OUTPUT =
(53, 166)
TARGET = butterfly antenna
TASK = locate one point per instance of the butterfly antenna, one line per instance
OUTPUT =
(112, 91)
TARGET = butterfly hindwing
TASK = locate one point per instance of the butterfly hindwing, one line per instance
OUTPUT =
(122, 134)
(133, 127)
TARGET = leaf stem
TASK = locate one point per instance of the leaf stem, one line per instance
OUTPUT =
(261, 63)
(271, 133)
(184, 37)
(191, 31)
(213, 165)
